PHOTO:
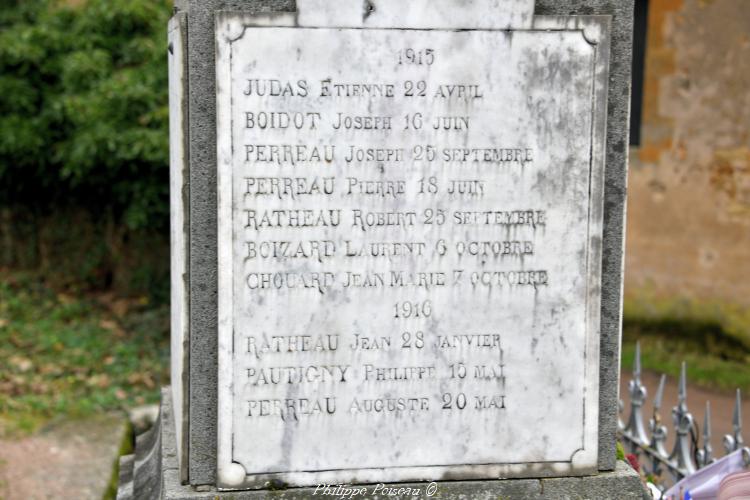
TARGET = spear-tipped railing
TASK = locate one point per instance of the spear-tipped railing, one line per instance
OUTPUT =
(692, 447)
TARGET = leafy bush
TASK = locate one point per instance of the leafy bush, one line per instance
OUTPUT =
(83, 108)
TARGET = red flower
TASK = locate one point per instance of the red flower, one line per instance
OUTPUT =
(633, 460)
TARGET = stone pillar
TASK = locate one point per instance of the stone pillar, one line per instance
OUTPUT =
(397, 250)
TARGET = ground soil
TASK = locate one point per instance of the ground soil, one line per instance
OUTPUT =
(71, 459)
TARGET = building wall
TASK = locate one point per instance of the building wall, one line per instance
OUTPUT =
(689, 181)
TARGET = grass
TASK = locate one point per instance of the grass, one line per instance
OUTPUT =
(721, 327)
(3, 484)
(75, 355)
(714, 359)
(126, 448)
(711, 336)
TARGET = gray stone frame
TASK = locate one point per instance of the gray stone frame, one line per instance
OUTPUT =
(200, 440)
(202, 392)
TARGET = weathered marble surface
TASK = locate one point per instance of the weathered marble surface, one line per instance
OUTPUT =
(618, 110)
(416, 14)
(537, 95)
(179, 223)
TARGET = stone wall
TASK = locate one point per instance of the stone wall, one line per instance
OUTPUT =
(689, 186)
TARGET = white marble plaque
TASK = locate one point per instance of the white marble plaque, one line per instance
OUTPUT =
(409, 251)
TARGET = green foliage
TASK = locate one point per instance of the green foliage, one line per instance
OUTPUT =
(620, 451)
(84, 107)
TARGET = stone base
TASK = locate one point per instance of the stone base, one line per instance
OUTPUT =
(152, 474)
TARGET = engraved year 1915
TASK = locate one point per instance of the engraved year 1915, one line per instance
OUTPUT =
(422, 57)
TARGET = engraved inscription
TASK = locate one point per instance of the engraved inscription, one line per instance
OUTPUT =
(410, 224)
